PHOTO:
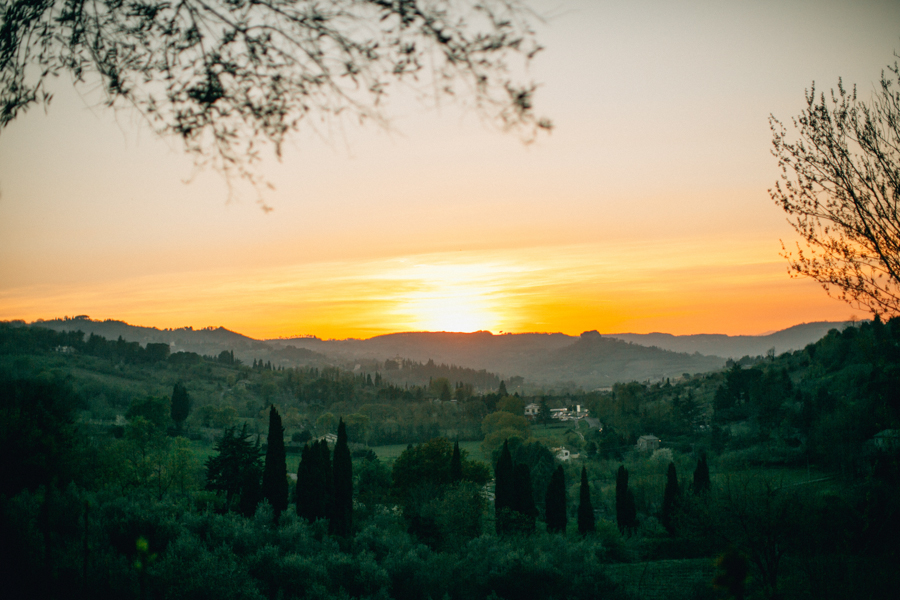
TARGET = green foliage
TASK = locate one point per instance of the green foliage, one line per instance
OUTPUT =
(430, 463)
(456, 464)
(586, 524)
(504, 490)
(544, 415)
(626, 511)
(513, 405)
(555, 510)
(341, 520)
(524, 509)
(274, 477)
(36, 433)
(670, 499)
(154, 410)
(236, 470)
(701, 476)
(500, 426)
(181, 404)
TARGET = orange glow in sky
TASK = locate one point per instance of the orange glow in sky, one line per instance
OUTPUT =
(645, 210)
(654, 287)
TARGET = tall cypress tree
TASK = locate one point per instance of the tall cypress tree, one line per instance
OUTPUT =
(504, 490)
(701, 476)
(303, 492)
(327, 480)
(586, 523)
(274, 480)
(670, 499)
(181, 405)
(314, 472)
(342, 515)
(555, 504)
(456, 464)
(630, 512)
(523, 499)
(621, 491)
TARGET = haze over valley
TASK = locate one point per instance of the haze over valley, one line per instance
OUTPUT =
(552, 360)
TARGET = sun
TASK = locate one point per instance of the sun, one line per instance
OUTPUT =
(457, 312)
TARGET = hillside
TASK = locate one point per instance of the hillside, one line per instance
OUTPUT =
(736, 346)
(589, 361)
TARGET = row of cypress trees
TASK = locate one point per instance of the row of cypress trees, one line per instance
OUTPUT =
(514, 507)
(325, 485)
(626, 513)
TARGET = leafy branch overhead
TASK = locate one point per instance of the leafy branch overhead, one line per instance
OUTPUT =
(840, 186)
(231, 76)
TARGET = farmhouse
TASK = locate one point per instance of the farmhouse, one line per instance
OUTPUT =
(648, 442)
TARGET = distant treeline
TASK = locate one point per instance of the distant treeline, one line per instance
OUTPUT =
(30, 340)
(402, 371)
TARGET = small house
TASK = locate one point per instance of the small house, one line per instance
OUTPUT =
(562, 454)
(560, 413)
(888, 439)
(648, 442)
(532, 410)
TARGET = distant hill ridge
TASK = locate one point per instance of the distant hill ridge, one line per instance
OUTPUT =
(590, 360)
(736, 346)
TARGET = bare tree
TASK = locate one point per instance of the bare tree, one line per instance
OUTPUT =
(231, 76)
(840, 186)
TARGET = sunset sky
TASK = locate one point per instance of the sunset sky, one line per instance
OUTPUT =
(646, 209)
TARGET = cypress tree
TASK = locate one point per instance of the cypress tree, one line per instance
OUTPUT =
(555, 504)
(303, 491)
(626, 511)
(327, 480)
(251, 491)
(585, 508)
(630, 512)
(317, 482)
(504, 490)
(181, 405)
(236, 470)
(670, 499)
(274, 480)
(523, 499)
(456, 464)
(701, 476)
(342, 517)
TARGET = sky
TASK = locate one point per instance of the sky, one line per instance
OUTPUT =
(646, 209)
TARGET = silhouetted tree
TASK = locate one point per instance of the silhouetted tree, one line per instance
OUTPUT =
(274, 481)
(586, 523)
(181, 405)
(670, 499)
(544, 414)
(236, 469)
(456, 464)
(504, 489)
(502, 389)
(303, 492)
(229, 77)
(342, 516)
(701, 476)
(626, 511)
(523, 500)
(555, 503)
(842, 193)
(155, 410)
